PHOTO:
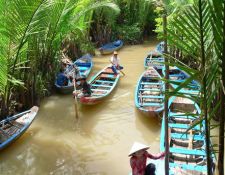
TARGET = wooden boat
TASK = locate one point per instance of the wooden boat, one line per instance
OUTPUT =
(187, 148)
(13, 127)
(178, 76)
(111, 47)
(160, 47)
(84, 64)
(102, 84)
(149, 93)
(154, 59)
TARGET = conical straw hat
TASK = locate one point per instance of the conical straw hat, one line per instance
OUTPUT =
(137, 147)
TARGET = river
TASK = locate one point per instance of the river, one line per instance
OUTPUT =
(99, 142)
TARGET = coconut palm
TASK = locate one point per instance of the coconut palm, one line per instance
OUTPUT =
(197, 30)
(31, 34)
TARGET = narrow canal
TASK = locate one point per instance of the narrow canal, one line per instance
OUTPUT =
(99, 142)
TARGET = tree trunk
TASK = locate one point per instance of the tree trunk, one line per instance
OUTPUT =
(166, 99)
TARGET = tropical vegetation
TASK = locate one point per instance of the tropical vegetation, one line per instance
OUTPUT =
(36, 33)
(196, 37)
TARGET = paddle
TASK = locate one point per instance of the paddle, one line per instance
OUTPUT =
(75, 97)
(121, 72)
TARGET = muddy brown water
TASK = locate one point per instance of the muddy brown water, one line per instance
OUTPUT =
(99, 142)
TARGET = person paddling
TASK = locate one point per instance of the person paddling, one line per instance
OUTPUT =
(115, 63)
(139, 157)
(85, 88)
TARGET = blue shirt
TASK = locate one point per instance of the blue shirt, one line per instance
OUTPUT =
(61, 79)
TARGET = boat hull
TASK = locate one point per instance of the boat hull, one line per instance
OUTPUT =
(109, 50)
(23, 122)
(69, 89)
(102, 84)
(187, 148)
(149, 93)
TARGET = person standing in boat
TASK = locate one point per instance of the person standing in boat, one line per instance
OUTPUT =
(85, 88)
(115, 62)
(139, 157)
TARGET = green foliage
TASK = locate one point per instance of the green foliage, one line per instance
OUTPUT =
(198, 30)
(31, 36)
(128, 33)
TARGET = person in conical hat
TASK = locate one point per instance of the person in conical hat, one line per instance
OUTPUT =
(115, 61)
(138, 160)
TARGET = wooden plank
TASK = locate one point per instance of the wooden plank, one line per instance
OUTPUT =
(104, 81)
(187, 151)
(183, 126)
(153, 90)
(186, 136)
(151, 104)
(189, 167)
(101, 90)
(151, 96)
(100, 85)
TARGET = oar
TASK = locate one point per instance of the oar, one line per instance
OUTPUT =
(75, 97)
(121, 72)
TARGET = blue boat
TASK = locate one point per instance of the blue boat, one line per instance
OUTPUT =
(102, 84)
(187, 148)
(13, 127)
(111, 47)
(178, 76)
(84, 65)
(160, 47)
(149, 93)
(154, 59)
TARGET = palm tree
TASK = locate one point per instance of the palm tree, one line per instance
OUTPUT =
(197, 30)
(31, 34)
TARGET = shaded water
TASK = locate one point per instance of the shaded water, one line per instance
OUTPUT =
(98, 144)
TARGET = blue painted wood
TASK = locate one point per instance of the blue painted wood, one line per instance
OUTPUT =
(101, 77)
(152, 96)
(84, 68)
(189, 167)
(111, 47)
(183, 126)
(187, 136)
(150, 104)
(144, 86)
(7, 134)
(104, 81)
(188, 151)
(100, 85)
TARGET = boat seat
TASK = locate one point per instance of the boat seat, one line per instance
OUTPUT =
(148, 83)
(189, 167)
(103, 81)
(151, 104)
(100, 85)
(175, 115)
(189, 91)
(151, 96)
(187, 151)
(79, 64)
(183, 126)
(98, 95)
(83, 68)
(155, 90)
(101, 90)
(187, 136)
(104, 75)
